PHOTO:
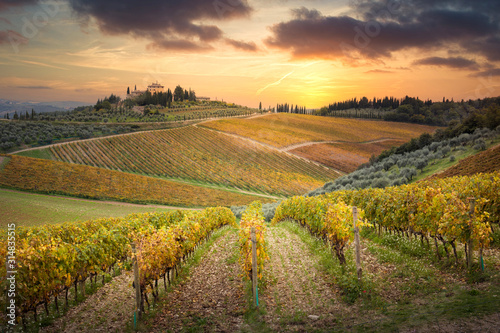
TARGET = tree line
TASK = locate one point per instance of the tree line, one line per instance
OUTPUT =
(408, 109)
(107, 102)
(22, 115)
(165, 99)
(286, 108)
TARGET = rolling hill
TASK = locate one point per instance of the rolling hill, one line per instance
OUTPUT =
(483, 162)
(54, 177)
(200, 156)
(201, 165)
(339, 143)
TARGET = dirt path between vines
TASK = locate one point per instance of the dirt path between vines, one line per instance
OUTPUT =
(311, 143)
(300, 297)
(108, 310)
(212, 299)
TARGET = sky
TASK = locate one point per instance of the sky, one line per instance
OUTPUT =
(309, 52)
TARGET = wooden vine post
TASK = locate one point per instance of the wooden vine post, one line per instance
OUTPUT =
(470, 245)
(254, 266)
(137, 284)
(356, 243)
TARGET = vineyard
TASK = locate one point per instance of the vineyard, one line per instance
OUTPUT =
(433, 216)
(53, 258)
(345, 157)
(428, 245)
(45, 176)
(199, 155)
(452, 211)
(331, 156)
(282, 130)
(487, 161)
(327, 219)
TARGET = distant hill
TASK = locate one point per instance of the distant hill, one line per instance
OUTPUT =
(8, 106)
(339, 143)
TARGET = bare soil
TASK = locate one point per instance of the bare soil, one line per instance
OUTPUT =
(296, 296)
(108, 310)
(212, 299)
(299, 296)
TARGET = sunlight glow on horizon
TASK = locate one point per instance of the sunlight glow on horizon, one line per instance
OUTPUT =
(69, 60)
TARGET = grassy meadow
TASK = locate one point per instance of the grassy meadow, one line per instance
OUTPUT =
(31, 209)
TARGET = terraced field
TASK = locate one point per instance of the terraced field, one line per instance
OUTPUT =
(202, 156)
(282, 130)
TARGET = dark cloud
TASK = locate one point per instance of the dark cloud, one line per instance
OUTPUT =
(491, 72)
(6, 4)
(3, 19)
(170, 24)
(454, 62)
(405, 11)
(241, 45)
(488, 47)
(179, 45)
(303, 13)
(376, 29)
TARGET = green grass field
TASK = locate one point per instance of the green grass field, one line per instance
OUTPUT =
(28, 209)
(37, 153)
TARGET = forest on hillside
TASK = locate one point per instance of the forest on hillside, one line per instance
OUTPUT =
(411, 109)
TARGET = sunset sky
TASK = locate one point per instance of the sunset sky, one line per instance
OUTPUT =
(310, 52)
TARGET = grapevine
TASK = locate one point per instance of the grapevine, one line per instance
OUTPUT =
(53, 258)
(330, 220)
(252, 218)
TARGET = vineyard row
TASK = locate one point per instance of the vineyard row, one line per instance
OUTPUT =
(201, 155)
(47, 176)
(52, 258)
(458, 210)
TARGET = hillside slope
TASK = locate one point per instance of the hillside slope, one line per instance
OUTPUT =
(283, 129)
(45, 176)
(484, 162)
(339, 143)
(202, 156)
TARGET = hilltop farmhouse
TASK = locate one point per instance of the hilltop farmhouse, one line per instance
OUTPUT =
(154, 87)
